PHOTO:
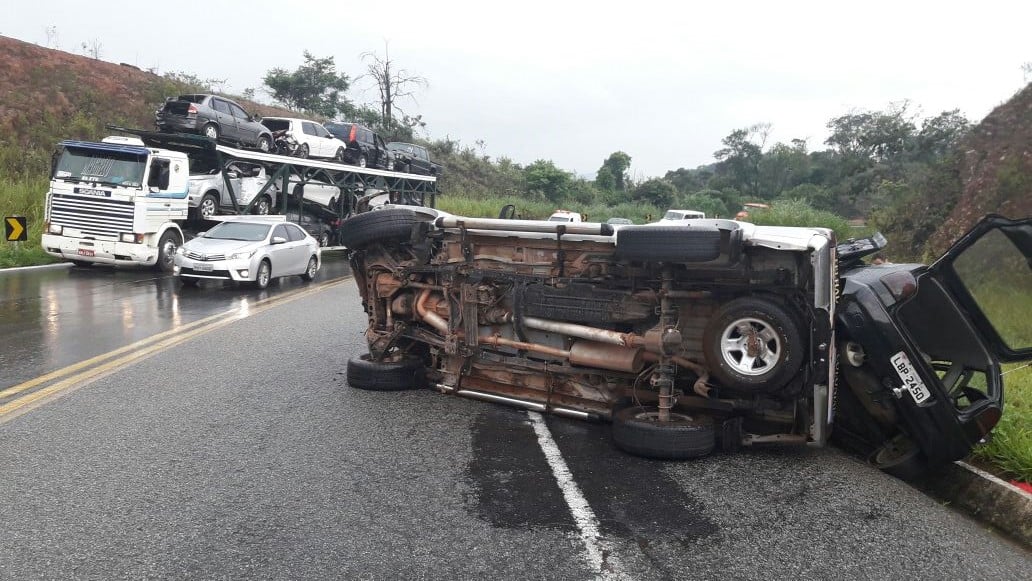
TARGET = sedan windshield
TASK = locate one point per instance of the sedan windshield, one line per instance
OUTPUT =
(239, 231)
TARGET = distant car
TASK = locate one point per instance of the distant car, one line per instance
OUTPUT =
(678, 215)
(208, 194)
(620, 221)
(248, 250)
(565, 216)
(364, 147)
(412, 158)
(313, 139)
(215, 117)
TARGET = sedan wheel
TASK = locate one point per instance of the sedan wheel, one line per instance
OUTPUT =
(264, 275)
(361, 161)
(264, 143)
(313, 267)
(302, 151)
(211, 131)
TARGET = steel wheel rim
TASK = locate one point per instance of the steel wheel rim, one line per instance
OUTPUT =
(170, 252)
(750, 346)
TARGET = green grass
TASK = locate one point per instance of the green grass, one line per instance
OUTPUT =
(24, 197)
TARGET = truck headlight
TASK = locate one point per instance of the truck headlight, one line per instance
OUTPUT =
(56, 229)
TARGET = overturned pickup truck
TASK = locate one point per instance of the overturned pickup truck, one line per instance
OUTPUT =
(688, 338)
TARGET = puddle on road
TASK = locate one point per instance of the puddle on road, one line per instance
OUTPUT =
(633, 498)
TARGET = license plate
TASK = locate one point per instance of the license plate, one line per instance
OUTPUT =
(913, 383)
(203, 267)
(87, 252)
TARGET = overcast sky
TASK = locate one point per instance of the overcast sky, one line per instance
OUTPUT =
(664, 81)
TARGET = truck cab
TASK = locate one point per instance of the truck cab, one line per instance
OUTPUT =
(116, 202)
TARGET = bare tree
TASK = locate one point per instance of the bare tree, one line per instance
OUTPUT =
(393, 83)
(92, 48)
(51, 32)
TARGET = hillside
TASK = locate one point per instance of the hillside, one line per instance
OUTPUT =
(995, 170)
(47, 95)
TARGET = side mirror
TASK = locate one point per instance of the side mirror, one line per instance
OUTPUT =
(278, 240)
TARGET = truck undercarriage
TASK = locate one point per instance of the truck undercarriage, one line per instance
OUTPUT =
(687, 338)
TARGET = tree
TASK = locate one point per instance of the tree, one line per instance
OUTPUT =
(740, 158)
(940, 134)
(656, 191)
(612, 176)
(393, 84)
(544, 178)
(315, 87)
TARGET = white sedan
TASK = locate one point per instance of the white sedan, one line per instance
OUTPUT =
(248, 250)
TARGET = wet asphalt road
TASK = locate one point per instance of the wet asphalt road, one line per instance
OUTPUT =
(51, 318)
(243, 454)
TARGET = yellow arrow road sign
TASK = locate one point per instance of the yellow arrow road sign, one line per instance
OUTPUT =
(15, 229)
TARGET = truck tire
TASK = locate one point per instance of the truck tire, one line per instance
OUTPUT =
(167, 245)
(392, 224)
(638, 431)
(753, 342)
(668, 243)
(406, 373)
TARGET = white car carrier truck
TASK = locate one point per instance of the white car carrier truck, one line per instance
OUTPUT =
(126, 200)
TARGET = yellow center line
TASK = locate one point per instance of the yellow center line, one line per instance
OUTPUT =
(141, 349)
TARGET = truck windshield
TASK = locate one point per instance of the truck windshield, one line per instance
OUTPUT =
(103, 167)
(238, 231)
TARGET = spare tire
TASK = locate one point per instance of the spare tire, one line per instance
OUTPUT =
(387, 225)
(668, 243)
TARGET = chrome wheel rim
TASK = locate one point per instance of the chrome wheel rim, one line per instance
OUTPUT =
(750, 346)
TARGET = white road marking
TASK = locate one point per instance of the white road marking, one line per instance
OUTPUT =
(600, 558)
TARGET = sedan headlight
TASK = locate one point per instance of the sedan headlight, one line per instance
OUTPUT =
(240, 255)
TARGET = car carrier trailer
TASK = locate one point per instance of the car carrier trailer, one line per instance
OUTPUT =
(126, 201)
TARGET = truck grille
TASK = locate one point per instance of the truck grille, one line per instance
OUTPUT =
(204, 257)
(94, 217)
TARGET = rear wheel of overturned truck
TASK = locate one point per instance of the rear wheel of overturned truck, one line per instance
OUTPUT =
(638, 430)
(399, 373)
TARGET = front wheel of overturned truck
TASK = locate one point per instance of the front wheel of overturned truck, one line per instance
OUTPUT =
(638, 431)
(404, 372)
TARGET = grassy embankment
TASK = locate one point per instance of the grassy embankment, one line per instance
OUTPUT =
(24, 197)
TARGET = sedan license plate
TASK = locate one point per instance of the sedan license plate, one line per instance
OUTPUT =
(87, 252)
(203, 267)
(918, 390)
